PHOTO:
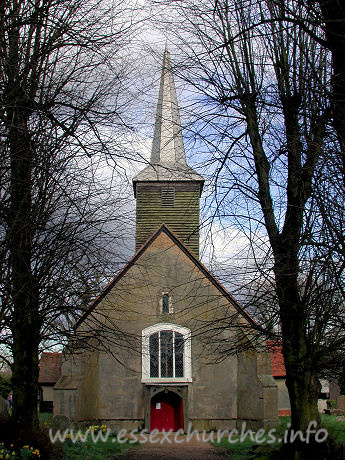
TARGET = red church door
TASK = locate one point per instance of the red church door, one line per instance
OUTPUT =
(166, 411)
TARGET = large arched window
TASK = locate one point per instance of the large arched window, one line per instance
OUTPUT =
(166, 354)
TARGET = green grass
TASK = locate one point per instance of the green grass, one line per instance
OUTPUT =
(87, 450)
(335, 429)
(249, 449)
(93, 451)
(45, 418)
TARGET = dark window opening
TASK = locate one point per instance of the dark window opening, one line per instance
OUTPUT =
(165, 303)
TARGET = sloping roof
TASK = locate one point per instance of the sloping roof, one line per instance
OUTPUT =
(168, 172)
(167, 144)
(50, 367)
(168, 157)
(68, 382)
(277, 359)
(198, 264)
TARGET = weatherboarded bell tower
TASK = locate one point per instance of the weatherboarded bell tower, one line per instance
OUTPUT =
(168, 190)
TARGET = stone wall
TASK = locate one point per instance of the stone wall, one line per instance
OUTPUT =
(257, 396)
(107, 386)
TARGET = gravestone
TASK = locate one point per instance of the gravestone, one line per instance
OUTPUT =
(341, 403)
(60, 422)
(4, 413)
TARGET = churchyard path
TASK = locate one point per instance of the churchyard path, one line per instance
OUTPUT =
(192, 450)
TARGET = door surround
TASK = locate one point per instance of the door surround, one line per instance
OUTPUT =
(152, 390)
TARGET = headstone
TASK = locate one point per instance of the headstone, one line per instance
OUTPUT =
(340, 418)
(4, 412)
(60, 422)
(341, 403)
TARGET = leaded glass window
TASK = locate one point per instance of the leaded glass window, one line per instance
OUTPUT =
(167, 351)
(154, 355)
(166, 354)
(179, 349)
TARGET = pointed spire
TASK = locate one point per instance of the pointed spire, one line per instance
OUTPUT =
(167, 145)
(168, 158)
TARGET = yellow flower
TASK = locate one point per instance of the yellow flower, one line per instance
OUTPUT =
(13, 453)
(6, 456)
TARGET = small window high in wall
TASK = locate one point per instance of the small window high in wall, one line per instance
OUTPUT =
(165, 303)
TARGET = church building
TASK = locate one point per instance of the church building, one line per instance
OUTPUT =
(155, 348)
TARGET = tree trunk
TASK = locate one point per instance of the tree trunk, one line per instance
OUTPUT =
(300, 378)
(303, 391)
(25, 323)
(25, 378)
(301, 381)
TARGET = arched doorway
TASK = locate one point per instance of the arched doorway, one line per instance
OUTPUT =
(166, 411)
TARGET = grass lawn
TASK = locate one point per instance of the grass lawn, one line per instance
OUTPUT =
(250, 449)
(93, 451)
(335, 429)
(108, 447)
(88, 450)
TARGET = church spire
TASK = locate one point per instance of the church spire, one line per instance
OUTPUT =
(168, 158)
(168, 190)
(167, 145)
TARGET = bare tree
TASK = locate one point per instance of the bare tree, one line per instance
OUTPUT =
(63, 70)
(262, 82)
(333, 16)
(330, 16)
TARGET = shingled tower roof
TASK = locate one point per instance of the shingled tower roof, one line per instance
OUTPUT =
(168, 158)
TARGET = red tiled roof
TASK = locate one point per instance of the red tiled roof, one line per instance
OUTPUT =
(277, 359)
(50, 367)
